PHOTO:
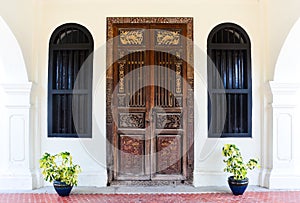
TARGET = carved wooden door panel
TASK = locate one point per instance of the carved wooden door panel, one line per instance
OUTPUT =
(168, 108)
(149, 108)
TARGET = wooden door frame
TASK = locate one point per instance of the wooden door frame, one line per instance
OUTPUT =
(188, 21)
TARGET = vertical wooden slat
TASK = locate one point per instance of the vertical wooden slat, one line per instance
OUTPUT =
(75, 63)
(213, 69)
(70, 71)
(166, 79)
(241, 112)
(59, 99)
(58, 71)
(242, 70)
(70, 123)
(65, 86)
(81, 76)
(223, 69)
(70, 87)
(236, 70)
(235, 113)
(155, 77)
(169, 81)
(144, 79)
(82, 113)
(218, 76)
(159, 79)
(65, 70)
(141, 79)
(229, 112)
(137, 87)
(239, 69)
(134, 79)
(129, 81)
(229, 69)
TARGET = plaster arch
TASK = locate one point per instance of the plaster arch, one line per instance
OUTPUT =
(287, 68)
(12, 65)
(284, 157)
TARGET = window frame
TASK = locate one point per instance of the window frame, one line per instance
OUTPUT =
(53, 46)
(245, 91)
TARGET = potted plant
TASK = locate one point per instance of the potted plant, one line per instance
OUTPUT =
(60, 170)
(235, 165)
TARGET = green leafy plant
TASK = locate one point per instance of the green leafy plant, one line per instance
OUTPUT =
(60, 167)
(235, 164)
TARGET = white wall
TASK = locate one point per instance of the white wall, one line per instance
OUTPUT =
(266, 22)
(206, 15)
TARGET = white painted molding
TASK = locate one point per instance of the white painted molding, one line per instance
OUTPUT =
(18, 95)
(18, 172)
(283, 148)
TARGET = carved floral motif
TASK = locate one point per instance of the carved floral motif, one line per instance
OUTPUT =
(168, 121)
(131, 160)
(131, 37)
(169, 155)
(166, 37)
(131, 120)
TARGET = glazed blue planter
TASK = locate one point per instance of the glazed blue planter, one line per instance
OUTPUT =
(62, 188)
(238, 187)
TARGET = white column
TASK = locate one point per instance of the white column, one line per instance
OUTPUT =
(284, 139)
(16, 172)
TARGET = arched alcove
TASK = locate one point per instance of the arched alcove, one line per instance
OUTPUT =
(284, 157)
(15, 91)
(287, 67)
(12, 65)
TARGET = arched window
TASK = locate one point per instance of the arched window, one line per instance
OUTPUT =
(70, 82)
(229, 82)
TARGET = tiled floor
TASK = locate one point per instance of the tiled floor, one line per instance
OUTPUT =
(248, 197)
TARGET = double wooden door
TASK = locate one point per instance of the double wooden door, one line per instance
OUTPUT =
(149, 106)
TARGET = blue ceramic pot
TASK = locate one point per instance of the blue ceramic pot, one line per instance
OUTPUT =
(238, 187)
(62, 188)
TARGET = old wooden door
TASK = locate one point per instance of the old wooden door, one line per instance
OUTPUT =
(149, 106)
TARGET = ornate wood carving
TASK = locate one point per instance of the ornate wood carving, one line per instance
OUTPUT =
(132, 120)
(131, 154)
(109, 89)
(178, 101)
(186, 55)
(168, 121)
(122, 100)
(121, 76)
(168, 155)
(178, 77)
(167, 37)
(131, 37)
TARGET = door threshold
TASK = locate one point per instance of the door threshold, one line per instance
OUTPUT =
(150, 183)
